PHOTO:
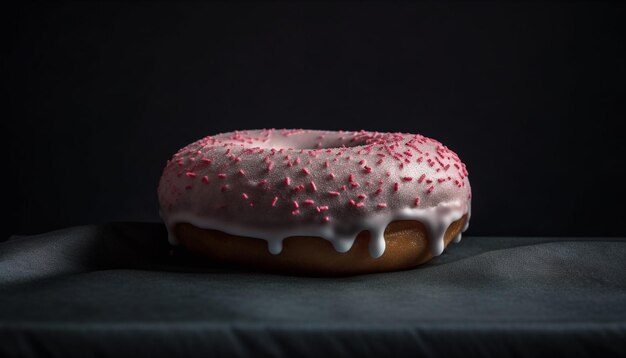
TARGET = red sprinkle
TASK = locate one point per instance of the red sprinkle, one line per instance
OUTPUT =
(274, 201)
(287, 181)
(417, 201)
(362, 196)
(407, 178)
(221, 175)
(308, 202)
(326, 219)
(306, 171)
(244, 195)
(396, 186)
(360, 205)
(421, 179)
(334, 193)
(295, 204)
(313, 187)
(191, 174)
(382, 205)
(241, 172)
(295, 212)
(205, 179)
(430, 190)
(331, 176)
(379, 190)
(205, 160)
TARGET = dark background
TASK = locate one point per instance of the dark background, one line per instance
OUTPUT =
(529, 94)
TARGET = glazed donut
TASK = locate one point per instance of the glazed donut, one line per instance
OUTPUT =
(316, 202)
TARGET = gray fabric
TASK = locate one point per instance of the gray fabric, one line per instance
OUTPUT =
(119, 289)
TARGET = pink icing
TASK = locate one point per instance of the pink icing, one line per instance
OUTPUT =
(272, 184)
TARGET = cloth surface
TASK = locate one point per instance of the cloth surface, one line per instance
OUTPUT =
(120, 290)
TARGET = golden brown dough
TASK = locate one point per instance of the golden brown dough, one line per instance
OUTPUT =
(406, 247)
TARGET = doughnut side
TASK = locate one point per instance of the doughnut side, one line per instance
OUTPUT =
(406, 241)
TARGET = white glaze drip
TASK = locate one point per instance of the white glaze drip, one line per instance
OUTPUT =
(469, 215)
(436, 220)
(459, 236)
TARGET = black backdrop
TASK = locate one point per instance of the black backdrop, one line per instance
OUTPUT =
(529, 94)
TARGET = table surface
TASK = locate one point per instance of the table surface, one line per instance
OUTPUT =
(120, 289)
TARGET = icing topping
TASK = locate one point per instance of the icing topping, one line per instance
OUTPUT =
(272, 184)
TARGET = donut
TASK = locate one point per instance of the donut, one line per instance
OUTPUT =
(315, 202)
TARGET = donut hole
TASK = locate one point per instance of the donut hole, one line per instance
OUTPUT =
(310, 140)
